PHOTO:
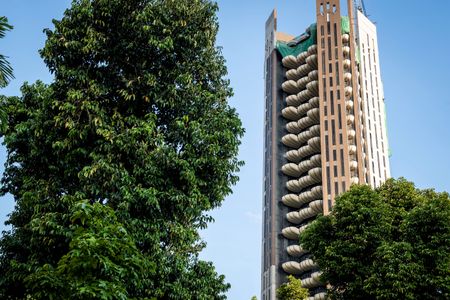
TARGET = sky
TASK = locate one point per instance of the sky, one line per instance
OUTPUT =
(414, 47)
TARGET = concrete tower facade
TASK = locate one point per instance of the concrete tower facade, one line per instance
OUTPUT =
(324, 131)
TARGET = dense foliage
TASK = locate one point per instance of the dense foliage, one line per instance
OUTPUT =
(292, 290)
(114, 165)
(389, 243)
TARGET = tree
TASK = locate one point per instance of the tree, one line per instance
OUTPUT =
(102, 260)
(292, 290)
(136, 121)
(6, 72)
(389, 243)
(254, 298)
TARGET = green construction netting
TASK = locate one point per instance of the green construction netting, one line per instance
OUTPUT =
(289, 48)
(293, 48)
(345, 24)
(358, 55)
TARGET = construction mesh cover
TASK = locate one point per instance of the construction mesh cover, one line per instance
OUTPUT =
(301, 43)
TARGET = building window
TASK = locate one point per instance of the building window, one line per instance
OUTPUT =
(331, 80)
(335, 169)
(323, 61)
(327, 150)
(336, 188)
(342, 163)
(339, 116)
(379, 166)
(335, 35)
(333, 132)
(328, 181)
(326, 125)
(337, 73)
(329, 48)
(332, 102)
(334, 155)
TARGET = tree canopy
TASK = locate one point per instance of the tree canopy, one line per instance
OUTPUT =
(292, 290)
(115, 164)
(389, 243)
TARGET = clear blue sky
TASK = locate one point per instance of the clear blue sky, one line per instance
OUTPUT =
(414, 40)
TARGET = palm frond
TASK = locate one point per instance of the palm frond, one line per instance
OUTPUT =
(6, 71)
(4, 26)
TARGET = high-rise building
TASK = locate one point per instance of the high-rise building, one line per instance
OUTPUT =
(324, 131)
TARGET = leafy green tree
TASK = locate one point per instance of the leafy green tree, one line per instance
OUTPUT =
(292, 290)
(389, 243)
(102, 260)
(136, 121)
(6, 71)
(254, 298)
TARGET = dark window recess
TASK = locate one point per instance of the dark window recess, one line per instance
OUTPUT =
(337, 73)
(379, 166)
(342, 163)
(336, 188)
(326, 125)
(328, 27)
(325, 110)
(334, 155)
(341, 141)
(333, 132)
(331, 80)
(328, 181)
(329, 48)
(330, 67)
(321, 27)
(336, 55)
(332, 102)
(338, 92)
(335, 171)
(339, 117)
(323, 61)
(330, 205)
(335, 35)
(343, 186)
(327, 150)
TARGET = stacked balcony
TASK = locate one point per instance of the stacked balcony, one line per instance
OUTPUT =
(303, 169)
(350, 106)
